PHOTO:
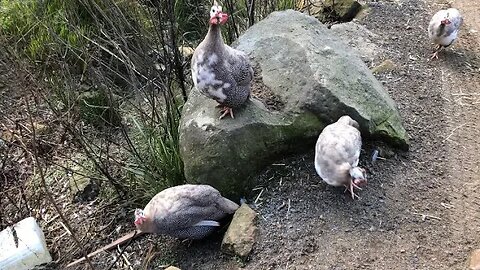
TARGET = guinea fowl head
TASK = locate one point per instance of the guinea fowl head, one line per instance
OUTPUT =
(139, 219)
(445, 21)
(216, 14)
(359, 176)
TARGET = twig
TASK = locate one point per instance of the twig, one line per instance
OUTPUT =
(258, 197)
(123, 250)
(425, 216)
(47, 191)
(129, 237)
(288, 208)
(451, 133)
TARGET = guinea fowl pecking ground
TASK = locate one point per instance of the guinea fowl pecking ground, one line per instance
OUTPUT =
(305, 224)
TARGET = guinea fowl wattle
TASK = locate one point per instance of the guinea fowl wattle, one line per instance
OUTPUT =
(220, 72)
(337, 154)
(443, 28)
(185, 212)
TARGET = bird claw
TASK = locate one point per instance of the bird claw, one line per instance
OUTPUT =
(225, 111)
(351, 189)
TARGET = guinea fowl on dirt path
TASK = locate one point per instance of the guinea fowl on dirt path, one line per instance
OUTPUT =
(443, 28)
(185, 212)
(219, 71)
(337, 153)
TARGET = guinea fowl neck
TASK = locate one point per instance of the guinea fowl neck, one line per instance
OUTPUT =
(214, 36)
(441, 29)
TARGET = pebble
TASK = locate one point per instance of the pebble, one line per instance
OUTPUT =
(475, 260)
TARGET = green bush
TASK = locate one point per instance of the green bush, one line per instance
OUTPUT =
(44, 28)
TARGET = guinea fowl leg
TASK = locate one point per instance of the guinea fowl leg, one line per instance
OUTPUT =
(226, 110)
(351, 189)
(435, 54)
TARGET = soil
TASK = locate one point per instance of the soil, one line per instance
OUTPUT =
(420, 209)
(263, 93)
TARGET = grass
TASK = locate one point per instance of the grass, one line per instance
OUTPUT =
(119, 77)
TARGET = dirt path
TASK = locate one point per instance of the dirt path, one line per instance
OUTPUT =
(461, 87)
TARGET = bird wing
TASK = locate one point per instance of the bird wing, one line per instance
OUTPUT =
(239, 64)
(456, 22)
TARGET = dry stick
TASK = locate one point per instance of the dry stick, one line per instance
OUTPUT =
(129, 237)
(47, 192)
(123, 250)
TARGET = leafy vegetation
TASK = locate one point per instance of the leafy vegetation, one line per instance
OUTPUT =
(115, 79)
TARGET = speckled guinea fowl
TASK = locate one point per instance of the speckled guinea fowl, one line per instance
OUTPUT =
(337, 153)
(185, 212)
(219, 71)
(443, 28)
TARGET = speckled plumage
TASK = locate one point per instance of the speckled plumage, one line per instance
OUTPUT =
(337, 151)
(221, 72)
(180, 211)
(445, 34)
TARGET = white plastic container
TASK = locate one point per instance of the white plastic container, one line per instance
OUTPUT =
(31, 250)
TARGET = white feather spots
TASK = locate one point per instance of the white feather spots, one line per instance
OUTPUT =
(217, 93)
(212, 59)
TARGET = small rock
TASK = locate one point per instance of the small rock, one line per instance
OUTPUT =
(336, 10)
(82, 187)
(186, 51)
(385, 152)
(475, 260)
(240, 236)
(40, 129)
(386, 66)
(172, 268)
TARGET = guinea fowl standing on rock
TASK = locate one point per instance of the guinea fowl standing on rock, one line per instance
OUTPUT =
(336, 155)
(219, 71)
(185, 212)
(443, 28)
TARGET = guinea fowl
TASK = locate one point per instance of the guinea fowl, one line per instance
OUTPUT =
(219, 71)
(336, 155)
(185, 212)
(443, 28)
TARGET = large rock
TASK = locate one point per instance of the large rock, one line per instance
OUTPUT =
(240, 236)
(311, 76)
(360, 39)
(335, 10)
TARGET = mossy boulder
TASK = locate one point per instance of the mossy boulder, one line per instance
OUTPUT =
(335, 10)
(313, 74)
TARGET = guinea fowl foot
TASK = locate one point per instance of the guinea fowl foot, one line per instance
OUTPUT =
(225, 111)
(351, 188)
(435, 54)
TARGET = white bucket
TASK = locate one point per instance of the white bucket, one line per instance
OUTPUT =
(30, 249)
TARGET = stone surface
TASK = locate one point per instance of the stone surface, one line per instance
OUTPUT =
(360, 39)
(172, 268)
(386, 66)
(474, 263)
(240, 236)
(335, 10)
(315, 77)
